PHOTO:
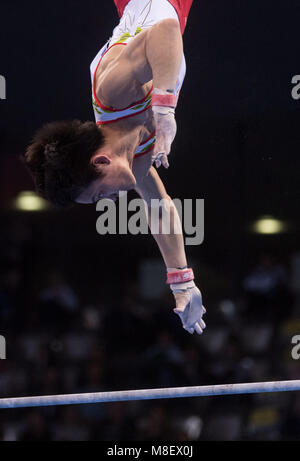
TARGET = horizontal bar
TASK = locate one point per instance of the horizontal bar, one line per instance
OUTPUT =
(148, 394)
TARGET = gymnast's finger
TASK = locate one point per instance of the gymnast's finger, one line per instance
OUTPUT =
(198, 329)
(189, 329)
(202, 324)
(164, 161)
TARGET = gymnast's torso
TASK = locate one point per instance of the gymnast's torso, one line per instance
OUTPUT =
(121, 87)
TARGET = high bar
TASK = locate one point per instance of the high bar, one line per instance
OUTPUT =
(149, 394)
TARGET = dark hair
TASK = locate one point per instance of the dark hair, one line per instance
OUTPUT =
(59, 159)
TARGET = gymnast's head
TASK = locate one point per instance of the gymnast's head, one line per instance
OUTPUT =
(72, 161)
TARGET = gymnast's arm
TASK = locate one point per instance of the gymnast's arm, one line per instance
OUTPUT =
(156, 54)
(159, 58)
(187, 296)
(171, 244)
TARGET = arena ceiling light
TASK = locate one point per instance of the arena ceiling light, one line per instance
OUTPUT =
(30, 201)
(268, 225)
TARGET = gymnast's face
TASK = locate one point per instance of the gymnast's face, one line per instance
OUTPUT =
(115, 175)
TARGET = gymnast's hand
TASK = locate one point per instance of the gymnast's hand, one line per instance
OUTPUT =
(166, 128)
(190, 309)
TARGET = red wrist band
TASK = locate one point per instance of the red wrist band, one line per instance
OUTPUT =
(180, 277)
(169, 100)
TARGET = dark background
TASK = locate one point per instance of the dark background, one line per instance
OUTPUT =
(237, 147)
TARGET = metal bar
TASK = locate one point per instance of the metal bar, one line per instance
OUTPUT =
(148, 394)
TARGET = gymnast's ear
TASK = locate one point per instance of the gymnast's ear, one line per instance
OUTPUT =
(100, 159)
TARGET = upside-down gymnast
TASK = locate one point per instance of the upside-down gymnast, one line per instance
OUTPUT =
(140, 69)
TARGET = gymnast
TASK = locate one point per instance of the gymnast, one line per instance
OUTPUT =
(140, 69)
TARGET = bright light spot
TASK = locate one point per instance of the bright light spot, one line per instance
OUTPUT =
(193, 427)
(30, 201)
(269, 225)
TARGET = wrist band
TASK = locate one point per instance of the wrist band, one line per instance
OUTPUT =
(185, 275)
(169, 100)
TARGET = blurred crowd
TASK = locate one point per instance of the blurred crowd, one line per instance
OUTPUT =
(58, 344)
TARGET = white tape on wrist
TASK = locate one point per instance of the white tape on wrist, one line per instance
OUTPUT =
(182, 286)
(163, 110)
